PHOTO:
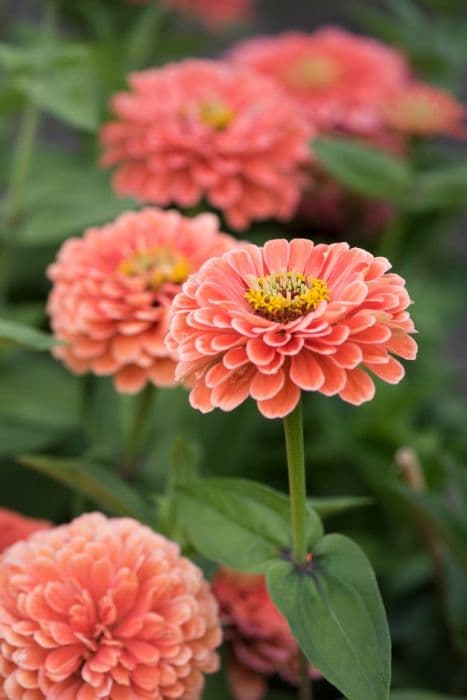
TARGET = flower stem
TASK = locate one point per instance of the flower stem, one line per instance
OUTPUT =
(293, 427)
(142, 409)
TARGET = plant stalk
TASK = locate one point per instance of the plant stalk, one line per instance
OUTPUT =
(293, 428)
(140, 417)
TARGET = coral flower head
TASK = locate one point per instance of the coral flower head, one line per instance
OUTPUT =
(289, 317)
(15, 527)
(261, 642)
(205, 130)
(338, 78)
(104, 609)
(112, 291)
(425, 110)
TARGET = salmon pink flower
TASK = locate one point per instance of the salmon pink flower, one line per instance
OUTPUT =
(15, 527)
(112, 291)
(260, 639)
(204, 130)
(104, 608)
(289, 317)
(425, 110)
(338, 78)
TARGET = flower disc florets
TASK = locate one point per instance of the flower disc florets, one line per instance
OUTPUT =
(284, 296)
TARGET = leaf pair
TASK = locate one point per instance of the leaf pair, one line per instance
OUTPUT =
(333, 605)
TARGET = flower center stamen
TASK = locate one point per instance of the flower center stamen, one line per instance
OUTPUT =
(285, 296)
(216, 114)
(157, 266)
(313, 72)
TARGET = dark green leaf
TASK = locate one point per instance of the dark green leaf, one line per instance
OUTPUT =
(58, 77)
(19, 334)
(253, 519)
(442, 189)
(37, 390)
(336, 614)
(421, 695)
(93, 481)
(364, 169)
(335, 505)
(86, 199)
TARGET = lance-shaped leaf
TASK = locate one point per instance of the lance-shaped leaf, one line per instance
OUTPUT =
(93, 481)
(363, 169)
(335, 612)
(339, 504)
(237, 522)
(15, 333)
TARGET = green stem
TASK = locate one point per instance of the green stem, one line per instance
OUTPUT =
(142, 411)
(391, 240)
(143, 40)
(293, 427)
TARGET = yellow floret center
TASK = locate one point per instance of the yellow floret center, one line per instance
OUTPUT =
(216, 114)
(157, 266)
(313, 72)
(285, 296)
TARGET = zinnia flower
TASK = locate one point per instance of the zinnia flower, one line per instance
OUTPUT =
(425, 110)
(15, 527)
(204, 130)
(104, 609)
(289, 317)
(338, 78)
(112, 291)
(261, 642)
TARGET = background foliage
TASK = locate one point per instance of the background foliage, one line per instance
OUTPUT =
(63, 439)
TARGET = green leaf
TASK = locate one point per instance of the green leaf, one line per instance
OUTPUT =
(335, 612)
(15, 437)
(59, 77)
(421, 695)
(445, 188)
(252, 518)
(336, 505)
(37, 390)
(19, 334)
(86, 199)
(93, 481)
(364, 169)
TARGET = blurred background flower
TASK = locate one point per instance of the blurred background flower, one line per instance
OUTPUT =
(259, 638)
(112, 291)
(105, 608)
